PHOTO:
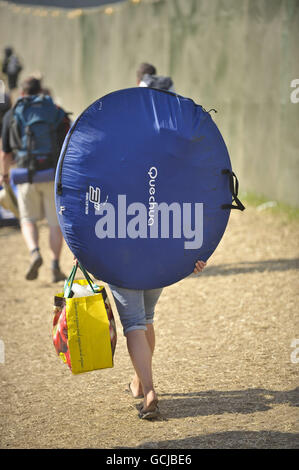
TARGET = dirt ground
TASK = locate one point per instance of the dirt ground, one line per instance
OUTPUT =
(223, 365)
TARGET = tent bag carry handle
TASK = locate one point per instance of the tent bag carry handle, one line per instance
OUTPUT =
(234, 188)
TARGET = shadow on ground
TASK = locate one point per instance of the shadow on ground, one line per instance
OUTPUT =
(182, 405)
(220, 402)
(244, 267)
(230, 440)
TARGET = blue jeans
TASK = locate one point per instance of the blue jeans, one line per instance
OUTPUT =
(136, 308)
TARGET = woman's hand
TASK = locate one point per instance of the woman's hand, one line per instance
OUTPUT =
(199, 266)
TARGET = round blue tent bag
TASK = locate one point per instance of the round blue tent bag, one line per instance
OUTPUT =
(144, 188)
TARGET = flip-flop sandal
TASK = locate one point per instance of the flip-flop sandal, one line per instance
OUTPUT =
(152, 413)
(129, 390)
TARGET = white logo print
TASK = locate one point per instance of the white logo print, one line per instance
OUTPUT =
(153, 172)
(295, 93)
(95, 197)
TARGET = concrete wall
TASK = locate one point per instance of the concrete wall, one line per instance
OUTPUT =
(237, 56)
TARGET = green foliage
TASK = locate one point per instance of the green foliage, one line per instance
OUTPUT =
(262, 203)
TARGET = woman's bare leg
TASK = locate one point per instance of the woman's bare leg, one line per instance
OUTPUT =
(136, 386)
(141, 357)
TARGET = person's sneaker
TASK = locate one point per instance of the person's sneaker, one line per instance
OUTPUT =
(57, 275)
(36, 262)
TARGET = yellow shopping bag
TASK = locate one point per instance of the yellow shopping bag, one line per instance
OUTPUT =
(84, 330)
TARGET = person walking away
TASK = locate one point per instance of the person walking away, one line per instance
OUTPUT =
(33, 132)
(147, 77)
(5, 105)
(11, 67)
(136, 309)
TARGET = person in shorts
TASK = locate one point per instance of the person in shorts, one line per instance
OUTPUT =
(36, 201)
(136, 309)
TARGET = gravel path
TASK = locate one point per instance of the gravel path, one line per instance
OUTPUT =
(222, 367)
